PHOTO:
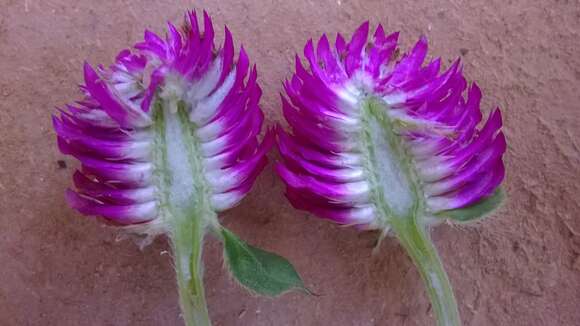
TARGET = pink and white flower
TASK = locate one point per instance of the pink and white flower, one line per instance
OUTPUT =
(167, 137)
(394, 145)
(374, 138)
(172, 120)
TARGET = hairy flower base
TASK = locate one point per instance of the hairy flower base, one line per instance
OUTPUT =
(180, 173)
(393, 181)
(184, 204)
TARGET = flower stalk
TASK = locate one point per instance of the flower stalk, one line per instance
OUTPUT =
(410, 229)
(189, 215)
(187, 244)
(413, 235)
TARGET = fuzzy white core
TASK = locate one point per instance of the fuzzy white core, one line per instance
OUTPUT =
(391, 176)
(182, 184)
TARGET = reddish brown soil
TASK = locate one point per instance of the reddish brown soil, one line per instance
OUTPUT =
(521, 267)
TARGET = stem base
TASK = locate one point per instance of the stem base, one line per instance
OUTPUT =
(416, 241)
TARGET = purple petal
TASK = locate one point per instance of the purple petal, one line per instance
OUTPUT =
(353, 60)
(123, 114)
(471, 193)
(122, 214)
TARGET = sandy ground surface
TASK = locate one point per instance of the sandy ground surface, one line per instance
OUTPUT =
(521, 267)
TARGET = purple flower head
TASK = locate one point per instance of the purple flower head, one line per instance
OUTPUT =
(390, 144)
(375, 138)
(171, 120)
(167, 137)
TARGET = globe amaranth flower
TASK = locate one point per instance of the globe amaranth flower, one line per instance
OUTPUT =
(167, 136)
(389, 144)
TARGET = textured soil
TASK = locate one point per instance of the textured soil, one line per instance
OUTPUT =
(520, 267)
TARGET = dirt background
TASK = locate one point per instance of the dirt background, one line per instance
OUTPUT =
(521, 267)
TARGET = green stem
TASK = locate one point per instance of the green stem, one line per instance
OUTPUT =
(187, 241)
(415, 239)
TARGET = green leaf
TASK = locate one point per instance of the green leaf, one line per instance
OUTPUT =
(476, 211)
(258, 270)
